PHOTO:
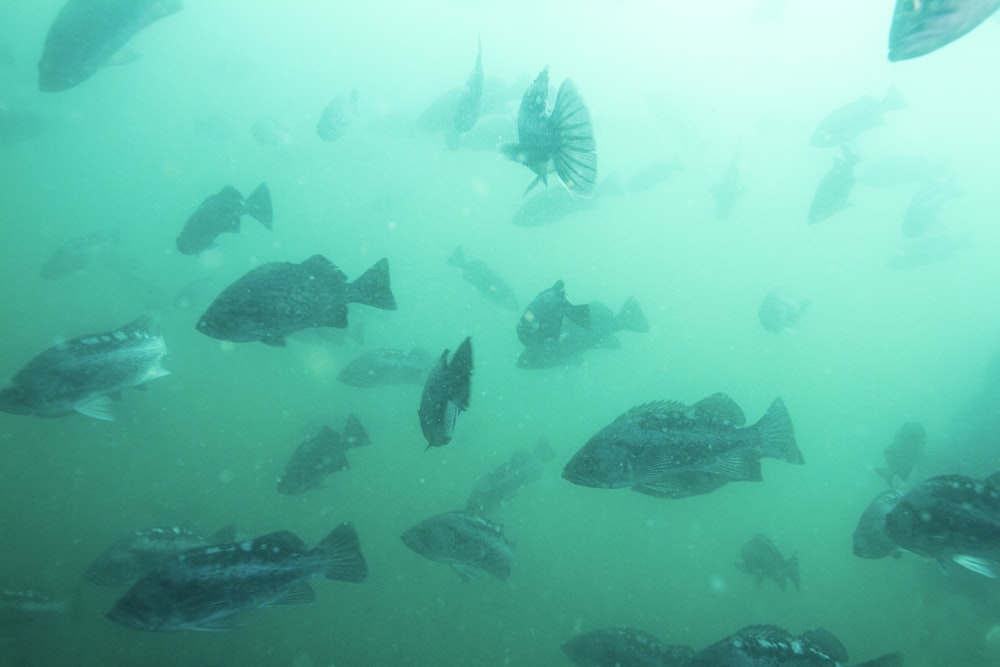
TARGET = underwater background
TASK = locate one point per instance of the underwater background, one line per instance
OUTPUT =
(134, 149)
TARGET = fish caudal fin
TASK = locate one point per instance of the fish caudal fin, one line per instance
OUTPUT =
(258, 205)
(575, 160)
(355, 434)
(792, 571)
(372, 288)
(631, 317)
(342, 552)
(777, 438)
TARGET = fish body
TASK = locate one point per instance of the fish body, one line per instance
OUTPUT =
(920, 27)
(277, 299)
(467, 542)
(906, 450)
(760, 558)
(925, 206)
(220, 214)
(870, 540)
(672, 450)
(550, 205)
(541, 323)
(504, 481)
(376, 368)
(271, 131)
(779, 311)
(82, 374)
(320, 455)
(447, 391)
(485, 280)
(612, 647)
(833, 189)
(845, 123)
(205, 588)
(77, 255)
(337, 116)
(470, 102)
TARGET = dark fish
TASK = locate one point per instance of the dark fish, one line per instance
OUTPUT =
(503, 482)
(845, 123)
(771, 646)
(446, 393)
(136, 554)
(221, 213)
(760, 557)
(652, 175)
(672, 450)
(925, 206)
(905, 451)
(75, 256)
(729, 189)
(548, 206)
(205, 588)
(337, 116)
(376, 368)
(951, 518)
(270, 131)
(624, 647)
(542, 321)
(19, 598)
(560, 141)
(277, 299)
(922, 26)
(870, 540)
(464, 541)
(927, 250)
(196, 294)
(485, 279)
(470, 103)
(320, 455)
(898, 170)
(833, 189)
(87, 34)
(779, 311)
(82, 374)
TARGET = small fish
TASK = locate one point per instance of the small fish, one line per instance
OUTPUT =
(79, 254)
(905, 451)
(220, 214)
(614, 647)
(82, 374)
(833, 189)
(729, 189)
(376, 368)
(779, 311)
(137, 553)
(920, 27)
(320, 455)
(446, 394)
(205, 588)
(470, 103)
(760, 557)
(542, 321)
(870, 540)
(464, 541)
(485, 279)
(503, 482)
(925, 206)
(845, 123)
(18, 598)
(551, 205)
(337, 116)
(560, 141)
(270, 131)
(672, 450)
(277, 299)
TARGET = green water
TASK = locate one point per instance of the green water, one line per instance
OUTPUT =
(136, 148)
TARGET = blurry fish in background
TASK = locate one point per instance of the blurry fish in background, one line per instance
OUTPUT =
(897, 170)
(870, 540)
(221, 213)
(927, 250)
(79, 254)
(82, 374)
(760, 558)
(729, 189)
(447, 391)
(561, 140)
(87, 35)
(925, 206)
(485, 280)
(550, 205)
(270, 131)
(611, 647)
(470, 103)
(542, 321)
(467, 542)
(833, 189)
(920, 27)
(20, 124)
(381, 367)
(780, 311)
(494, 488)
(19, 598)
(845, 123)
(196, 294)
(906, 450)
(320, 455)
(652, 175)
(337, 116)
(137, 553)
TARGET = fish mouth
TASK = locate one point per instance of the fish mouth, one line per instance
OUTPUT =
(579, 479)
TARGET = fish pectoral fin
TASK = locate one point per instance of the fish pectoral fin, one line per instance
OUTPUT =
(466, 572)
(984, 566)
(222, 624)
(738, 465)
(301, 593)
(156, 371)
(98, 407)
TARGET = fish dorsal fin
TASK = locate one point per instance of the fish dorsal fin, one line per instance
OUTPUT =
(718, 409)
(282, 539)
(657, 413)
(300, 593)
(355, 434)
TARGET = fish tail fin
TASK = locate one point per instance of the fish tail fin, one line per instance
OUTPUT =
(887, 660)
(258, 206)
(355, 434)
(792, 571)
(631, 317)
(457, 258)
(372, 288)
(892, 100)
(575, 160)
(777, 438)
(341, 550)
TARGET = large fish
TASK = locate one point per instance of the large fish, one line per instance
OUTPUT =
(320, 455)
(542, 321)
(221, 213)
(833, 189)
(485, 280)
(337, 116)
(277, 299)
(760, 558)
(446, 393)
(672, 450)
(869, 539)
(613, 647)
(88, 34)
(501, 483)
(205, 588)
(846, 122)
(82, 374)
(560, 141)
(384, 366)
(464, 541)
(906, 450)
(922, 26)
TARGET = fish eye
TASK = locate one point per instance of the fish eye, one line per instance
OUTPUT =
(587, 462)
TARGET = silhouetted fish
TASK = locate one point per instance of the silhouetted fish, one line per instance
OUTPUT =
(541, 323)
(376, 368)
(760, 558)
(464, 541)
(905, 451)
(337, 116)
(845, 123)
(470, 102)
(779, 311)
(77, 255)
(485, 279)
(922, 26)
(833, 189)
(924, 207)
(320, 455)
(446, 394)
(624, 647)
(501, 483)
(221, 213)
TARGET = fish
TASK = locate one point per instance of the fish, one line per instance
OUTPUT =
(542, 321)
(771, 646)
(906, 450)
(277, 299)
(77, 255)
(271, 131)
(613, 647)
(82, 374)
(951, 518)
(376, 368)
(467, 542)
(652, 175)
(485, 280)
(447, 391)
(869, 539)
(779, 311)
(845, 123)
(671, 450)
(920, 27)
(337, 116)
(729, 189)
(470, 102)
(207, 587)
(551, 205)
(833, 189)
(87, 34)
(137, 553)
(494, 488)
(760, 557)
(196, 294)
(320, 455)
(925, 206)
(221, 213)
(561, 140)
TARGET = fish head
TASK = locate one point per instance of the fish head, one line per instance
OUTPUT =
(604, 462)
(146, 606)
